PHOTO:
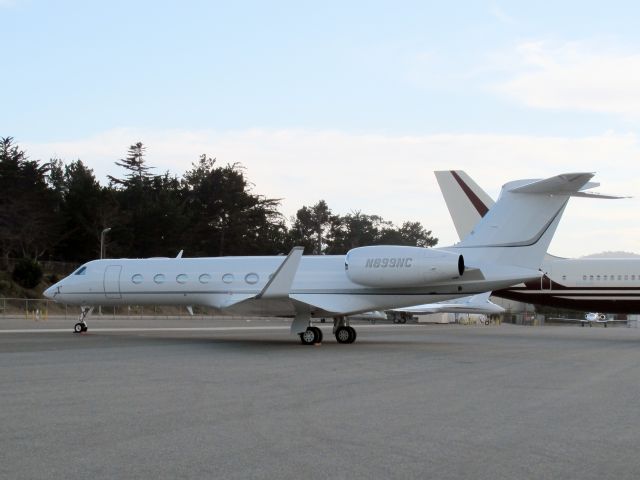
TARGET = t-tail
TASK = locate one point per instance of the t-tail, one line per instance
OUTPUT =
(518, 229)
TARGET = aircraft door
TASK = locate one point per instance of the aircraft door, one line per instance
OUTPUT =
(112, 281)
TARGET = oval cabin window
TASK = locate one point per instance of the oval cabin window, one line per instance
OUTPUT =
(182, 278)
(205, 278)
(159, 278)
(227, 278)
(251, 278)
(137, 279)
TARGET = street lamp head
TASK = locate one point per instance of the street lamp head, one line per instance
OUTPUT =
(104, 232)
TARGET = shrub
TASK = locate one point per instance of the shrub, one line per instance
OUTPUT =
(27, 273)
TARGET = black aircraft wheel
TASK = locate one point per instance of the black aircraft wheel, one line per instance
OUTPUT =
(78, 328)
(318, 333)
(346, 335)
(343, 335)
(310, 336)
(352, 334)
(84, 327)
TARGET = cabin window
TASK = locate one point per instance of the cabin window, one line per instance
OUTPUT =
(159, 278)
(205, 278)
(227, 278)
(619, 277)
(626, 277)
(598, 277)
(182, 278)
(590, 277)
(251, 278)
(584, 277)
(81, 271)
(633, 277)
(137, 279)
(605, 278)
(564, 277)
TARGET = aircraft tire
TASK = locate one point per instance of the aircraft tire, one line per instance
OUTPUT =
(311, 336)
(343, 335)
(318, 333)
(78, 328)
(352, 334)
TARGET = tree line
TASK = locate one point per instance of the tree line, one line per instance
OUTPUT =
(56, 211)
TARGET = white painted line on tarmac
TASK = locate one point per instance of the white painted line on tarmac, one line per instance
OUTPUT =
(149, 329)
(184, 329)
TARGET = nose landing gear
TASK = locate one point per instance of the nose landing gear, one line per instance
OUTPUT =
(81, 326)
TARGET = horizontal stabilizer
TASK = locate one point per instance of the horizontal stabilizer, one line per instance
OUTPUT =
(567, 183)
(279, 285)
(602, 196)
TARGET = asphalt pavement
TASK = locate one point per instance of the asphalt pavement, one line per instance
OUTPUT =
(241, 399)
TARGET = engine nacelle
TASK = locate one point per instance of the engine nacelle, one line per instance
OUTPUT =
(397, 266)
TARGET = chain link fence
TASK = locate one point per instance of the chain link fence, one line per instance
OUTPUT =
(42, 309)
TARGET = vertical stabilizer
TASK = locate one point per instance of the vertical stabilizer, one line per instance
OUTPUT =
(466, 201)
(518, 229)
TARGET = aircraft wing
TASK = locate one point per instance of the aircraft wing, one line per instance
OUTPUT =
(474, 304)
(277, 288)
(276, 296)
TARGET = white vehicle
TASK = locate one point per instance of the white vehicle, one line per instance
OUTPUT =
(596, 284)
(506, 248)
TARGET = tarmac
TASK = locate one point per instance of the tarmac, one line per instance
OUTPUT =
(241, 399)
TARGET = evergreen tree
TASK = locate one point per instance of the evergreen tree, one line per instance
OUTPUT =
(225, 218)
(137, 170)
(27, 204)
(310, 227)
(86, 210)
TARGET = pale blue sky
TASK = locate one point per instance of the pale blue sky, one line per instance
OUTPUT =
(429, 84)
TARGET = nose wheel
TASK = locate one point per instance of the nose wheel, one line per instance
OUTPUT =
(81, 326)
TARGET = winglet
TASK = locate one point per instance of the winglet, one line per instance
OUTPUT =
(279, 285)
(180, 254)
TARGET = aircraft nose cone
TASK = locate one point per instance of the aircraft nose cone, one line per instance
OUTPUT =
(50, 292)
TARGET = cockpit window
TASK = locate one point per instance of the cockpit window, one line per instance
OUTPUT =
(81, 271)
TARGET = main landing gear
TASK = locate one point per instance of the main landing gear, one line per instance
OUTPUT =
(343, 332)
(81, 326)
(311, 336)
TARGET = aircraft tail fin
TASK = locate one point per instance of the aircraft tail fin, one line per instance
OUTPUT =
(466, 201)
(518, 229)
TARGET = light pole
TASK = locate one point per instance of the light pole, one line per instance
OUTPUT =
(104, 232)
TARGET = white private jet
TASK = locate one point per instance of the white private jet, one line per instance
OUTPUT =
(473, 304)
(589, 318)
(596, 284)
(506, 248)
